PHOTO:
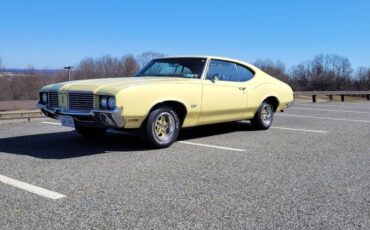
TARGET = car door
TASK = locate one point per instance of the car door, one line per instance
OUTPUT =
(224, 96)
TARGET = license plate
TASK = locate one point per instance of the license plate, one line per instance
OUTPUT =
(67, 121)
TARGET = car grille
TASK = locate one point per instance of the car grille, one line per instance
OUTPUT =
(53, 100)
(81, 101)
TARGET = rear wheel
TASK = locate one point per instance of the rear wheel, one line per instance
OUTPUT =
(90, 132)
(264, 116)
(161, 128)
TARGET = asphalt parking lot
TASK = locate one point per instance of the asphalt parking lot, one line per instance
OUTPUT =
(311, 170)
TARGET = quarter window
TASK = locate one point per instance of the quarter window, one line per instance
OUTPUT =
(244, 74)
(228, 71)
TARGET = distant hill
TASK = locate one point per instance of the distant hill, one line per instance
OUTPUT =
(22, 71)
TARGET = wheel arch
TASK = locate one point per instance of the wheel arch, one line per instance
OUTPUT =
(178, 106)
(274, 101)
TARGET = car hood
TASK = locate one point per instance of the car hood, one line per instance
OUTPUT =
(112, 85)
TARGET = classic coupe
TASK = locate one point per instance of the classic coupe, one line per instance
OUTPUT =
(168, 94)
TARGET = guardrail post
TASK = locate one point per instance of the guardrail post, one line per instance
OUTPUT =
(313, 98)
(342, 97)
(330, 98)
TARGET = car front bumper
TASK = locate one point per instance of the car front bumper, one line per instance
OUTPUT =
(94, 118)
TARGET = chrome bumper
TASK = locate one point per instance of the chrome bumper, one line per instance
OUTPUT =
(94, 118)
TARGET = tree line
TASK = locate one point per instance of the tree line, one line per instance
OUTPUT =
(322, 72)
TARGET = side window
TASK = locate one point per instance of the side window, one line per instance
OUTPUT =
(244, 74)
(223, 70)
(228, 71)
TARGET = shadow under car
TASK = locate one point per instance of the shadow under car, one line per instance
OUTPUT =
(62, 145)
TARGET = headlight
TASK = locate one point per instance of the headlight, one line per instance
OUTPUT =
(103, 102)
(111, 103)
(44, 98)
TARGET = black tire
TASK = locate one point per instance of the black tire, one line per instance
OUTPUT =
(260, 121)
(90, 132)
(157, 135)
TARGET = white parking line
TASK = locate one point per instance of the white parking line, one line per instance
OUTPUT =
(329, 110)
(338, 105)
(300, 130)
(324, 118)
(31, 188)
(50, 123)
(212, 146)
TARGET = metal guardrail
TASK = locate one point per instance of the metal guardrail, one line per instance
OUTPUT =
(330, 94)
(9, 115)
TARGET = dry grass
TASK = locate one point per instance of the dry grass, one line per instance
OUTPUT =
(17, 105)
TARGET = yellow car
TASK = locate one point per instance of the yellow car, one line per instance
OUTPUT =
(167, 94)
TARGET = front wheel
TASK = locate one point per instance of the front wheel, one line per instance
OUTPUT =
(264, 116)
(161, 127)
(90, 132)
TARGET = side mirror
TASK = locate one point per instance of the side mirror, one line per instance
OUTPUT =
(214, 78)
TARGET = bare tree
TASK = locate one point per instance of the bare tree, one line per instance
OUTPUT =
(4, 84)
(129, 65)
(5, 90)
(146, 57)
(362, 79)
(276, 69)
(32, 82)
(301, 75)
(16, 86)
(86, 68)
(107, 66)
(323, 72)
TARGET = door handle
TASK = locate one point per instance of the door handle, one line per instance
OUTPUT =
(242, 88)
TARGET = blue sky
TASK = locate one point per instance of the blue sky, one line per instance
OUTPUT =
(53, 34)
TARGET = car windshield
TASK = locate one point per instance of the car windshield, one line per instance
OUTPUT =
(174, 67)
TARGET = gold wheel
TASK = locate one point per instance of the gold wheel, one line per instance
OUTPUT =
(164, 127)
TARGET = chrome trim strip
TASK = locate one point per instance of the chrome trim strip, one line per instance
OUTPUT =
(112, 117)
